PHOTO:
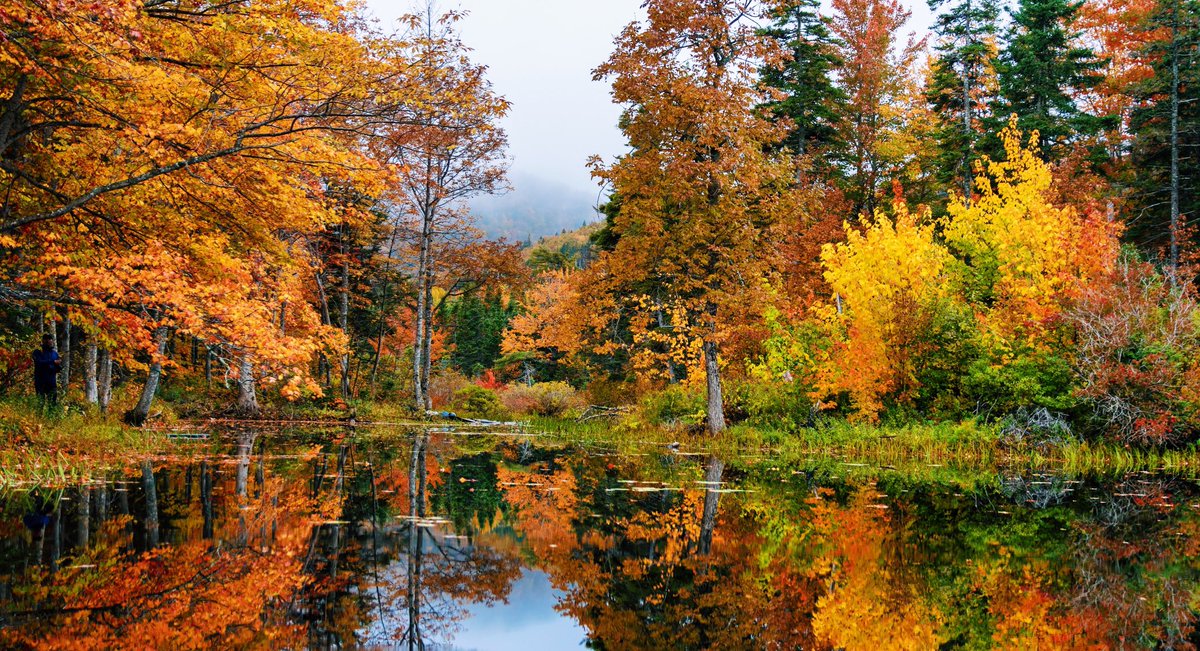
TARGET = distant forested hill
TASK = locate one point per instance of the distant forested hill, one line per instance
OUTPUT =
(535, 208)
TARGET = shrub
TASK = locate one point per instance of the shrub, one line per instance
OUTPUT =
(473, 401)
(765, 403)
(1028, 380)
(553, 399)
(1038, 426)
(445, 386)
(675, 405)
(1136, 351)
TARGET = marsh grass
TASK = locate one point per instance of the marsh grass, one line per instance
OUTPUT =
(55, 447)
(73, 445)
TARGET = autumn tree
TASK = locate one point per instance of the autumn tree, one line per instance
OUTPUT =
(1168, 128)
(1124, 33)
(450, 151)
(159, 169)
(875, 66)
(887, 279)
(699, 195)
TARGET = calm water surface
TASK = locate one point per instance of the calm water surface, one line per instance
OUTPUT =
(263, 539)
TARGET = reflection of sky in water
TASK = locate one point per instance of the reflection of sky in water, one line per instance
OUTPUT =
(527, 621)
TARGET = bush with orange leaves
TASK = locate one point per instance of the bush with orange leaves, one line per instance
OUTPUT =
(1137, 345)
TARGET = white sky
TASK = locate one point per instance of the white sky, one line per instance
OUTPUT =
(540, 54)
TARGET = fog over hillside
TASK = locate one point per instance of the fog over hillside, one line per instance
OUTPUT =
(535, 208)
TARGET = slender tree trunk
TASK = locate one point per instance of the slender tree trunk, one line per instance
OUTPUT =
(123, 499)
(712, 495)
(344, 316)
(90, 360)
(83, 515)
(208, 360)
(104, 366)
(247, 402)
(422, 299)
(968, 133)
(1175, 145)
(102, 502)
(56, 541)
(206, 499)
(138, 415)
(150, 490)
(427, 360)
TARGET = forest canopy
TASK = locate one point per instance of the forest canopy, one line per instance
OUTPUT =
(820, 213)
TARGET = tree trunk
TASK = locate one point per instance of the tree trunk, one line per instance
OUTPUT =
(102, 502)
(716, 404)
(1174, 262)
(138, 415)
(150, 490)
(104, 379)
(344, 318)
(247, 402)
(84, 516)
(206, 499)
(90, 357)
(420, 325)
(712, 486)
(208, 359)
(427, 361)
(245, 447)
(967, 133)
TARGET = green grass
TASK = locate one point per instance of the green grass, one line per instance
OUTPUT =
(75, 444)
(68, 445)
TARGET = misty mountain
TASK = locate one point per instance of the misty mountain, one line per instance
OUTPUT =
(535, 208)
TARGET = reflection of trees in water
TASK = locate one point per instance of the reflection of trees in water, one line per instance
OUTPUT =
(407, 576)
(440, 572)
(640, 566)
(183, 568)
(364, 544)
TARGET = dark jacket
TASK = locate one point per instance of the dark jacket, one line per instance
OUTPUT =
(46, 365)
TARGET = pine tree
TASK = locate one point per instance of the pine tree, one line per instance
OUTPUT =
(810, 97)
(962, 73)
(1042, 71)
(1168, 130)
(479, 324)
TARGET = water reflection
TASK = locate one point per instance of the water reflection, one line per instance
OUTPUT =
(342, 541)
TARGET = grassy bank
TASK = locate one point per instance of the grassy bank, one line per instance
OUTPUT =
(905, 446)
(65, 446)
(74, 444)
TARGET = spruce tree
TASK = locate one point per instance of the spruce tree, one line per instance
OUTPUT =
(1041, 71)
(962, 72)
(1167, 131)
(810, 97)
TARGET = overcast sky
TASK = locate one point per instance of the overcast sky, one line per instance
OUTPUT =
(540, 54)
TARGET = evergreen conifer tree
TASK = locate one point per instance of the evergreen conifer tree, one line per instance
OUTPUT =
(810, 96)
(962, 74)
(1168, 131)
(1042, 71)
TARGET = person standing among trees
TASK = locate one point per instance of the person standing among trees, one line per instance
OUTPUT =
(46, 365)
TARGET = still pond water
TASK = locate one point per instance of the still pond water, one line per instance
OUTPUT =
(438, 540)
